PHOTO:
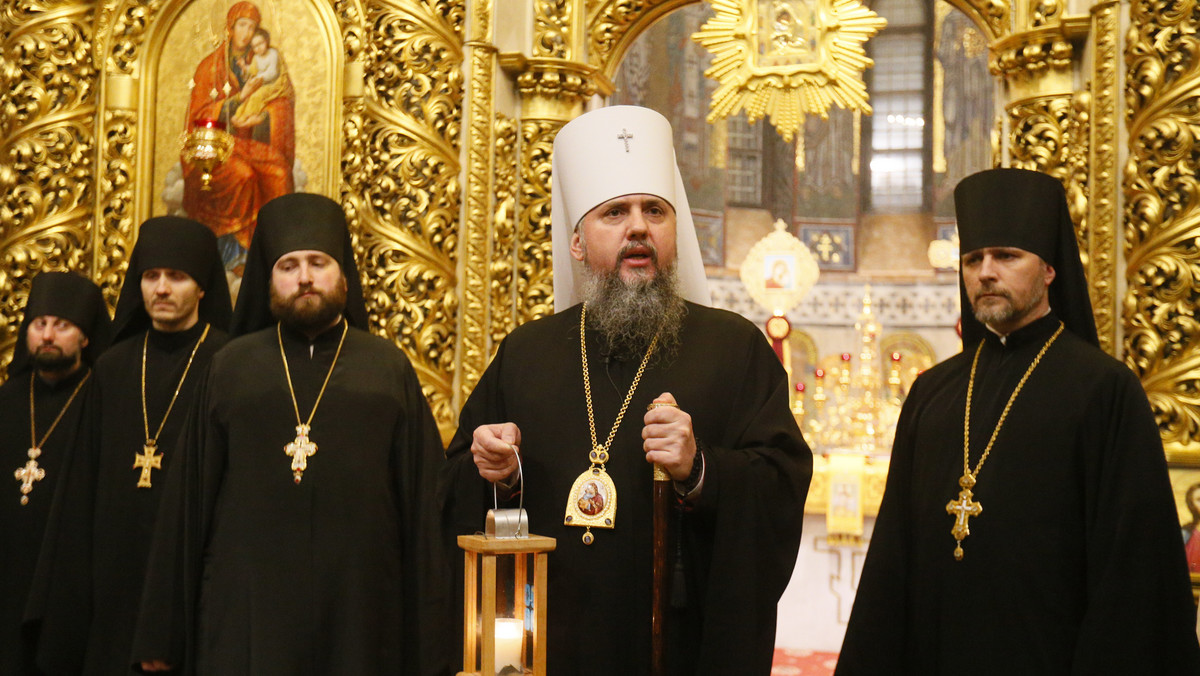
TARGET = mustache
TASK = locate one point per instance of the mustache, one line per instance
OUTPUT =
(989, 289)
(647, 248)
(303, 289)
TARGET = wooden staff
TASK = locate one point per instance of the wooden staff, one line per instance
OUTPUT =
(661, 593)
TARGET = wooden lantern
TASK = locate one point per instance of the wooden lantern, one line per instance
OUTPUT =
(498, 623)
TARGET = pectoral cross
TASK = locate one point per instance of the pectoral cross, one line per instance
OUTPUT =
(29, 474)
(301, 449)
(962, 509)
(146, 461)
(625, 136)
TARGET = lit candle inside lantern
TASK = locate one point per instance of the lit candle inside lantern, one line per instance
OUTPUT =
(509, 644)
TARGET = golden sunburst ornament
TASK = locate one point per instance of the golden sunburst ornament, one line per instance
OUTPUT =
(788, 58)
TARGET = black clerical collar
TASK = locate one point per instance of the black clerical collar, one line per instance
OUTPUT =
(330, 336)
(1036, 331)
(66, 383)
(170, 341)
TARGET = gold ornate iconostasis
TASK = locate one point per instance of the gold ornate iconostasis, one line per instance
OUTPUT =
(432, 122)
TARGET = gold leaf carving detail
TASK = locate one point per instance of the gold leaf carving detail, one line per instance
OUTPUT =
(1162, 213)
(1102, 200)
(503, 256)
(473, 285)
(116, 229)
(992, 15)
(535, 270)
(47, 141)
(1038, 137)
(552, 28)
(611, 25)
(403, 192)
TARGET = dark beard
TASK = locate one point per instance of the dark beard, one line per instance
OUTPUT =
(629, 314)
(308, 317)
(53, 361)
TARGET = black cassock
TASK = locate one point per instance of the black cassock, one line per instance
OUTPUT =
(1075, 564)
(738, 543)
(94, 562)
(252, 573)
(22, 526)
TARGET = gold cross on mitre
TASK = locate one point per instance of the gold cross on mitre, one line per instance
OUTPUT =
(149, 459)
(29, 474)
(301, 449)
(963, 508)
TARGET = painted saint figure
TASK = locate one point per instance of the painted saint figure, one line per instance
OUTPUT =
(233, 85)
(592, 500)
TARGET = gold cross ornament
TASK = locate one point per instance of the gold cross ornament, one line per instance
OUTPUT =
(962, 509)
(29, 474)
(149, 459)
(301, 449)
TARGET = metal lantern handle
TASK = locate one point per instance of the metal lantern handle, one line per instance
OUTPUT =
(509, 523)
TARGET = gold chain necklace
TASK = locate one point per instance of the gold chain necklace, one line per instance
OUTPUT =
(964, 507)
(593, 497)
(302, 448)
(149, 459)
(30, 472)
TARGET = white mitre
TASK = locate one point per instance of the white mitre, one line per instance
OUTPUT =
(608, 153)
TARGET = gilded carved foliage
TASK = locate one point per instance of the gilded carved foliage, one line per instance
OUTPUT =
(115, 230)
(990, 15)
(1163, 214)
(501, 273)
(612, 23)
(127, 22)
(354, 38)
(1046, 11)
(47, 94)
(1075, 169)
(1032, 60)
(1104, 170)
(535, 271)
(473, 285)
(405, 192)
(121, 29)
(552, 26)
(1038, 135)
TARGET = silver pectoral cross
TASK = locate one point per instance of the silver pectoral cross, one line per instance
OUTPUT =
(28, 474)
(300, 449)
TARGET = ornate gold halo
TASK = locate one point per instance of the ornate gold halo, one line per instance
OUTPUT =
(787, 58)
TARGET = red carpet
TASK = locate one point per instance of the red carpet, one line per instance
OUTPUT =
(803, 663)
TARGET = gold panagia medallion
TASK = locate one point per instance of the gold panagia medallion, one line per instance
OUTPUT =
(592, 502)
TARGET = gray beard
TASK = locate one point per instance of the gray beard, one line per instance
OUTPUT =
(629, 314)
(993, 316)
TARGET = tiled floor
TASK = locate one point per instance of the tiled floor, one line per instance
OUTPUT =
(803, 663)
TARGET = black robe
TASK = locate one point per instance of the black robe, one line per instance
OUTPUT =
(1074, 566)
(738, 542)
(90, 584)
(252, 573)
(22, 526)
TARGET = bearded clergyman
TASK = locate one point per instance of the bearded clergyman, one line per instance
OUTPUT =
(634, 370)
(1028, 525)
(66, 326)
